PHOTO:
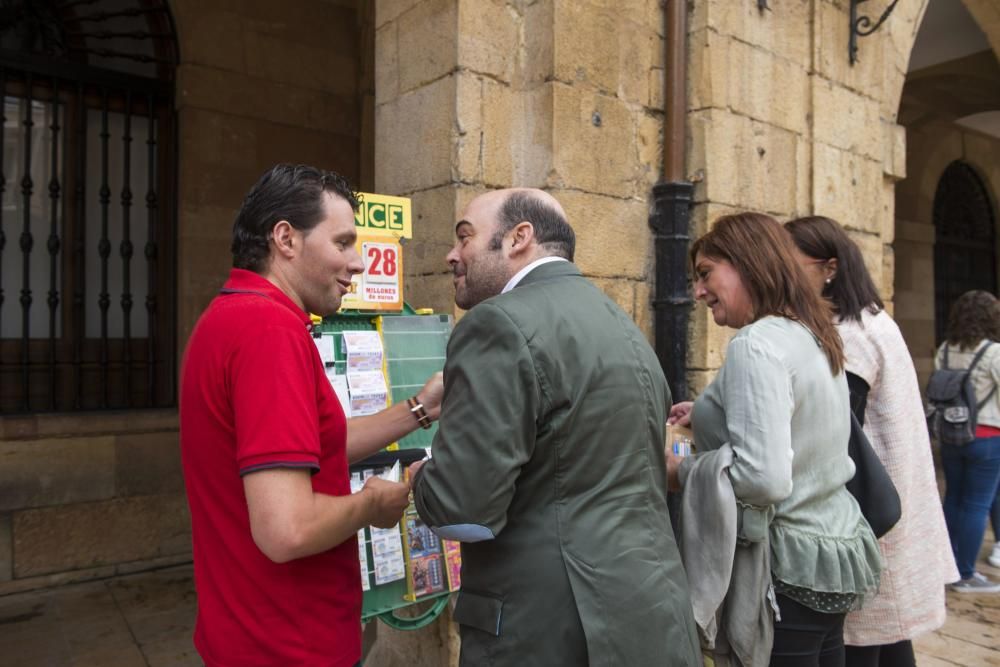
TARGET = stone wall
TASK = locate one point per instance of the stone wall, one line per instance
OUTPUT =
(86, 497)
(780, 122)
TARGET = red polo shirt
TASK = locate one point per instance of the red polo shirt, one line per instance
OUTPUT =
(254, 395)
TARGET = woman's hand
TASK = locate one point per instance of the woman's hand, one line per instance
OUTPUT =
(431, 394)
(680, 414)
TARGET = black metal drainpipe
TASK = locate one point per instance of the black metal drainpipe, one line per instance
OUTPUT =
(671, 216)
(672, 301)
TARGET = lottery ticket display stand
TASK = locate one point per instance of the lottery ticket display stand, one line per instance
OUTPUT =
(378, 351)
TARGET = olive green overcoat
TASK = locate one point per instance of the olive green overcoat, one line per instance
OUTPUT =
(549, 466)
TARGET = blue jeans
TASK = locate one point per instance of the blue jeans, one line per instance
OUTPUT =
(995, 516)
(971, 474)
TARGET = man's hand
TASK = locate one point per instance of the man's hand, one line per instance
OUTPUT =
(431, 394)
(414, 467)
(673, 463)
(388, 501)
(680, 414)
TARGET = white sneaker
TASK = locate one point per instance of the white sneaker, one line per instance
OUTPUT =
(994, 558)
(977, 583)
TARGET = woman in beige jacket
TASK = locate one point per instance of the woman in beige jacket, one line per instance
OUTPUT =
(918, 559)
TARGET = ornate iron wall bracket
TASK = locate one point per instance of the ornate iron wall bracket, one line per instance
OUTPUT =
(862, 26)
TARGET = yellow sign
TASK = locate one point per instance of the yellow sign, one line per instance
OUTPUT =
(384, 214)
(380, 287)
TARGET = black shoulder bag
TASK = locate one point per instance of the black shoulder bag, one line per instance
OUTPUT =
(871, 486)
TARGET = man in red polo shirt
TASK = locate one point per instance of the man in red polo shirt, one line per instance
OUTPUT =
(265, 445)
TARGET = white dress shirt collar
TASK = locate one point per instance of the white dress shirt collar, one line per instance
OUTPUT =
(519, 276)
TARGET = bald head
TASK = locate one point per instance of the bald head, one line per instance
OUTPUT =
(552, 233)
(540, 197)
(500, 233)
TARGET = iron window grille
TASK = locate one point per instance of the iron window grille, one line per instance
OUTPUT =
(87, 233)
(965, 240)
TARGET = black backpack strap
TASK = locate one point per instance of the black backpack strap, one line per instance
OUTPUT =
(945, 360)
(980, 406)
(975, 360)
(979, 355)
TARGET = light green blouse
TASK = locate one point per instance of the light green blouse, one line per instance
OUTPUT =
(786, 416)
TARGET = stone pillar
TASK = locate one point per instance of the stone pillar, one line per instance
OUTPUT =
(473, 95)
(89, 496)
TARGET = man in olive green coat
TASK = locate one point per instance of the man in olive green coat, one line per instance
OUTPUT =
(548, 465)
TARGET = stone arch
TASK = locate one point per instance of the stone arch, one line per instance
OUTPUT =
(934, 99)
(928, 162)
(987, 14)
(901, 27)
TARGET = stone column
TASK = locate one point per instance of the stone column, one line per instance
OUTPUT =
(473, 95)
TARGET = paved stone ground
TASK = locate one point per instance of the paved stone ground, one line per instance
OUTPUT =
(971, 635)
(136, 620)
(146, 619)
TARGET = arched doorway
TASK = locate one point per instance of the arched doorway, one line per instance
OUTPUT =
(964, 240)
(945, 207)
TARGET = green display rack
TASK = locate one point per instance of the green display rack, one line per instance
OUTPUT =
(414, 348)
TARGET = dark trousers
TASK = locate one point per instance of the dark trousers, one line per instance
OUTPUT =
(899, 654)
(807, 638)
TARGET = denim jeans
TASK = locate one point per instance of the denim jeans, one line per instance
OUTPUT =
(971, 474)
(995, 516)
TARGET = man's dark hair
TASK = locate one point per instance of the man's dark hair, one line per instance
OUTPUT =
(285, 192)
(551, 229)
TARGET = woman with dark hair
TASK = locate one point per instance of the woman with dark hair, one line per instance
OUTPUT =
(780, 403)
(972, 471)
(885, 396)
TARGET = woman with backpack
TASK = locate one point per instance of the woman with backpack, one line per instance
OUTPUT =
(885, 391)
(972, 470)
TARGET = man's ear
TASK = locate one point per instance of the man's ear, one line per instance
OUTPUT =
(284, 238)
(522, 237)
